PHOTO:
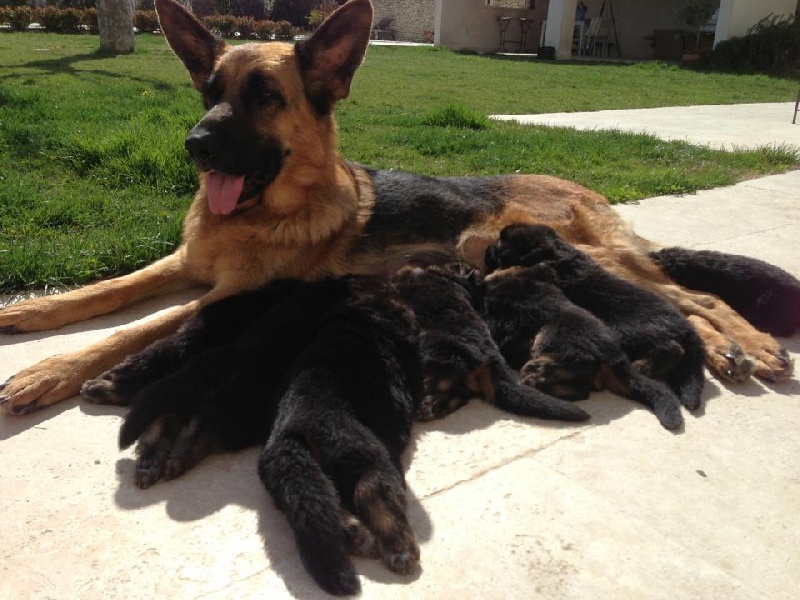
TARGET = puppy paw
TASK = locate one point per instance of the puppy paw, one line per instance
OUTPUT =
(359, 539)
(402, 557)
(103, 391)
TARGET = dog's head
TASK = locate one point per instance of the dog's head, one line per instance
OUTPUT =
(269, 105)
(523, 245)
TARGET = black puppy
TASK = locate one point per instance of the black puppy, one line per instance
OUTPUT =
(653, 334)
(460, 358)
(563, 349)
(327, 374)
(762, 293)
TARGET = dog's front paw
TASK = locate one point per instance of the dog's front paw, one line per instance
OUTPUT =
(774, 364)
(41, 385)
(37, 314)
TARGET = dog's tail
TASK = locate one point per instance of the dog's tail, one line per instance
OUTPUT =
(309, 500)
(687, 379)
(664, 403)
(509, 395)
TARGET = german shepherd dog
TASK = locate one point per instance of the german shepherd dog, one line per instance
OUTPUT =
(276, 200)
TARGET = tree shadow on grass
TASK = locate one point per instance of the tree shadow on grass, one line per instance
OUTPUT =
(67, 65)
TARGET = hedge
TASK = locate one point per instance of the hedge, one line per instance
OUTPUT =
(75, 20)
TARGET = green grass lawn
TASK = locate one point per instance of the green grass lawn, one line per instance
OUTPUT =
(94, 180)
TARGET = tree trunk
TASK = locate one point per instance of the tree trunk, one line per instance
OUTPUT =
(115, 21)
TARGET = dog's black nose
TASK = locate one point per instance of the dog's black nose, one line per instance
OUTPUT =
(202, 146)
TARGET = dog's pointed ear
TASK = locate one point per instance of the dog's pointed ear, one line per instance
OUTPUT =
(195, 45)
(329, 58)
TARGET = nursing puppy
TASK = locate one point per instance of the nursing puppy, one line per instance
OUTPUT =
(762, 293)
(563, 349)
(460, 359)
(652, 333)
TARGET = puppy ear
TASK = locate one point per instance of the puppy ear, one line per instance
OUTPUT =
(329, 58)
(195, 45)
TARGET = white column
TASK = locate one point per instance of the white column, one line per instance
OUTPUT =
(737, 16)
(560, 27)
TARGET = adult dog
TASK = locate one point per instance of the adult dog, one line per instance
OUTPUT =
(277, 200)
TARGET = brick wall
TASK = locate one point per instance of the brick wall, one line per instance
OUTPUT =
(411, 17)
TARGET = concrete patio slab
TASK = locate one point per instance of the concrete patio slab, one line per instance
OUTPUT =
(730, 126)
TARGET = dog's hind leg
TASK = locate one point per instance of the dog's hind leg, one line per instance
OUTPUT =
(378, 497)
(60, 377)
(310, 502)
(51, 312)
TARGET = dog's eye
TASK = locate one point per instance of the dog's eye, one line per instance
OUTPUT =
(212, 92)
(262, 92)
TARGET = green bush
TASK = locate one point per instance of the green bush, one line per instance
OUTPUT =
(64, 20)
(90, 20)
(770, 46)
(146, 20)
(284, 30)
(19, 18)
(222, 25)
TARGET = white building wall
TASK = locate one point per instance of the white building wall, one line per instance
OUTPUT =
(737, 16)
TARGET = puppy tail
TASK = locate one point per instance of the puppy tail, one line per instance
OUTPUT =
(310, 502)
(656, 395)
(518, 399)
(687, 378)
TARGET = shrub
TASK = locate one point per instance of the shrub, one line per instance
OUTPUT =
(284, 30)
(64, 20)
(770, 46)
(90, 20)
(146, 20)
(264, 30)
(246, 26)
(20, 17)
(222, 25)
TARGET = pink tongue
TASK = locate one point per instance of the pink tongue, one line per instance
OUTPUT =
(223, 192)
